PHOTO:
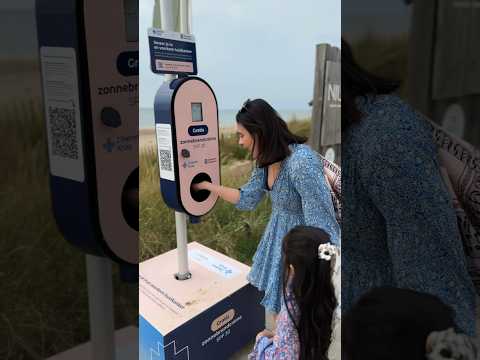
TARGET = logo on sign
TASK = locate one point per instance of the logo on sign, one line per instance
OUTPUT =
(222, 320)
(120, 143)
(109, 145)
(333, 95)
(198, 130)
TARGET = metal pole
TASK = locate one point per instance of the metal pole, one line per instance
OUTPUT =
(185, 16)
(167, 15)
(100, 305)
(168, 24)
(181, 218)
(182, 246)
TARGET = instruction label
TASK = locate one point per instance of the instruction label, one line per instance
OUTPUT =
(172, 52)
(62, 113)
(165, 151)
(213, 264)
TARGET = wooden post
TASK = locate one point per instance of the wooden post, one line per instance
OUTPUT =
(420, 55)
(444, 70)
(325, 135)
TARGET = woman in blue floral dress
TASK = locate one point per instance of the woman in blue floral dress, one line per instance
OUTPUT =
(399, 226)
(291, 173)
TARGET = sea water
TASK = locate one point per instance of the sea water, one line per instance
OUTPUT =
(226, 117)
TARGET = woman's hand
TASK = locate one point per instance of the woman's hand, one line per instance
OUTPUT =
(204, 185)
(226, 193)
(267, 333)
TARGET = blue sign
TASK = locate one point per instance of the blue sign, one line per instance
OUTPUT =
(172, 52)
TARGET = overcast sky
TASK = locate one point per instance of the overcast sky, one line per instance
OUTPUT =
(245, 48)
(250, 48)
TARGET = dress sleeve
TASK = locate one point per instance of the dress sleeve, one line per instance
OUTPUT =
(253, 191)
(306, 174)
(401, 176)
(260, 348)
(285, 344)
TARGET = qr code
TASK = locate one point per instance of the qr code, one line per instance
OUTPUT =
(63, 132)
(165, 160)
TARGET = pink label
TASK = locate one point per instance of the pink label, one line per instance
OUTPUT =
(174, 66)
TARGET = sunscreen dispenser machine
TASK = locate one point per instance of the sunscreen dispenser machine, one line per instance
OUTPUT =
(89, 62)
(186, 122)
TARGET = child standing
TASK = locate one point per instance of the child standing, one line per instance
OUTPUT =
(308, 325)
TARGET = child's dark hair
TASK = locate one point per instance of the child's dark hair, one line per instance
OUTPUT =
(311, 285)
(391, 323)
(269, 131)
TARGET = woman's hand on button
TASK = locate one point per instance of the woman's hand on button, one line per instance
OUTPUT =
(204, 185)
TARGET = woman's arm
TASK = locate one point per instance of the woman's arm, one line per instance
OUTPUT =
(228, 194)
(306, 173)
(245, 198)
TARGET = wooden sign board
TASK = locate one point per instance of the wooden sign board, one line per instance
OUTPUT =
(326, 130)
(443, 66)
(332, 124)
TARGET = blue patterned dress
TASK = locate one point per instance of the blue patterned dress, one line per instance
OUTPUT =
(299, 196)
(398, 223)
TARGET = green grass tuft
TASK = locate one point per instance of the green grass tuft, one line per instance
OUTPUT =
(43, 297)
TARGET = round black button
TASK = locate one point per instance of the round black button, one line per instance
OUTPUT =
(110, 117)
(185, 153)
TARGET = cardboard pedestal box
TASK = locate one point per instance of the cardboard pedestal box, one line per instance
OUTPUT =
(210, 316)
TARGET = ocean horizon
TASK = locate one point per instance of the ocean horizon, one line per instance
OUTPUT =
(226, 116)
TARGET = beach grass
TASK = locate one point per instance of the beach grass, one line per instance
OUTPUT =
(43, 297)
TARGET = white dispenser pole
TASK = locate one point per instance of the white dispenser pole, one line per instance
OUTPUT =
(100, 306)
(182, 249)
(168, 19)
(181, 218)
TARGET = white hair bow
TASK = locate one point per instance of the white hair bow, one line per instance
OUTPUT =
(326, 251)
(448, 345)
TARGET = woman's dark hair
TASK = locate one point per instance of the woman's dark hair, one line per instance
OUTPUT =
(312, 288)
(269, 131)
(391, 323)
(357, 82)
